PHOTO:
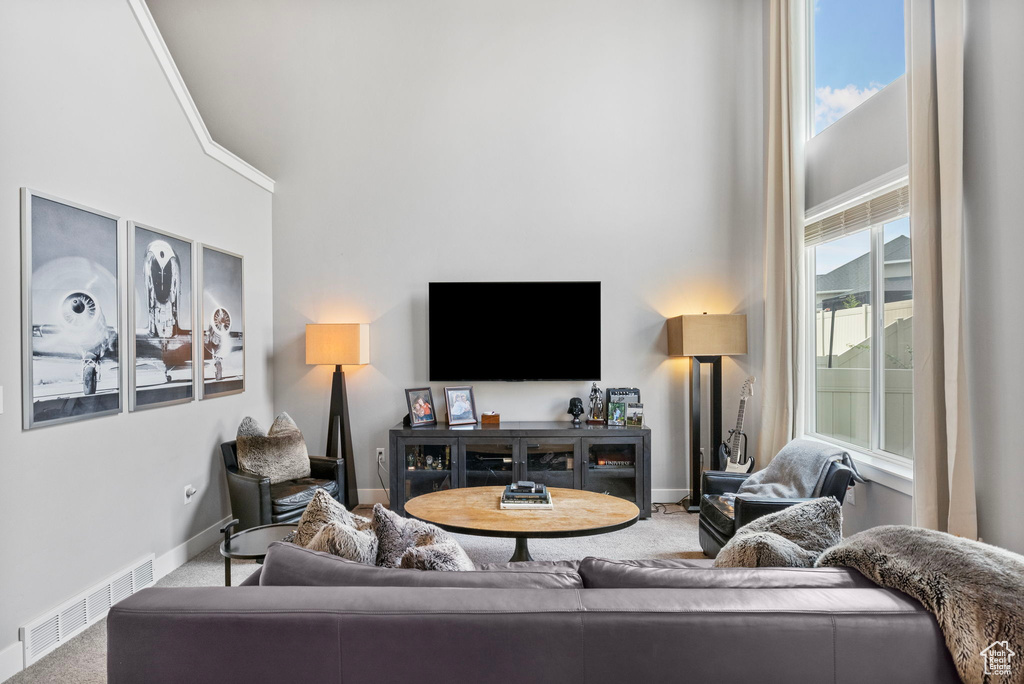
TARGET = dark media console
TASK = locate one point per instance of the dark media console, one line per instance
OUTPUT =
(599, 458)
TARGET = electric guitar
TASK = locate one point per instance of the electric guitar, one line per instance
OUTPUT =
(731, 451)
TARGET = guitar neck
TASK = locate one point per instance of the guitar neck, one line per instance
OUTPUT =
(736, 439)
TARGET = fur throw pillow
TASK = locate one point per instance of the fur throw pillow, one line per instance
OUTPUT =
(346, 542)
(793, 537)
(397, 536)
(279, 453)
(323, 509)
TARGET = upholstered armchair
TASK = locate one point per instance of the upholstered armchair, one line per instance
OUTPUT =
(721, 516)
(254, 501)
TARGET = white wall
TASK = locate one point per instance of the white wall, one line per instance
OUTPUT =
(993, 169)
(88, 115)
(467, 140)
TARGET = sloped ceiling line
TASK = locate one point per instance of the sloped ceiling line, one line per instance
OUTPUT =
(188, 105)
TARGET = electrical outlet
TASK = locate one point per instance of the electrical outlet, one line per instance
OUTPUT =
(851, 496)
(380, 456)
(190, 492)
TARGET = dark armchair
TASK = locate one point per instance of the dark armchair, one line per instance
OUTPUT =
(720, 516)
(254, 501)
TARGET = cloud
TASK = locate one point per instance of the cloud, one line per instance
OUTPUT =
(831, 104)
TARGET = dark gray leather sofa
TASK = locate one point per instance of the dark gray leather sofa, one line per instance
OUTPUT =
(645, 621)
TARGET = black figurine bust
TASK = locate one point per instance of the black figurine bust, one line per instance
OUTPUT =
(575, 410)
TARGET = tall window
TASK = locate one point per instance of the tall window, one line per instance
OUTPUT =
(862, 317)
(858, 50)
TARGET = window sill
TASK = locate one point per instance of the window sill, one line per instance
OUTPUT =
(882, 471)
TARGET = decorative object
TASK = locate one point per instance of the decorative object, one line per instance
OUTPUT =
(71, 311)
(223, 353)
(472, 510)
(491, 418)
(617, 413)
(732, 456)
(635, 415)
(340, 344)
(345, 541)
(974, 590)
(575, 410)
(625, 395)
(250, 544)
(279, 454)
(461, 405)
(705, 339)
(793, 537)
(421, 406)
(596, 415)
(161, 368)
(397, 536)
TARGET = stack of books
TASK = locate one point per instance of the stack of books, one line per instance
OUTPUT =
(526, 495)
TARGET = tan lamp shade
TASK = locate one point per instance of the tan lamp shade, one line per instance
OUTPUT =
(337, 344)
(707, 335)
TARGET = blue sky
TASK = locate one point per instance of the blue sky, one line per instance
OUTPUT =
(858, 50)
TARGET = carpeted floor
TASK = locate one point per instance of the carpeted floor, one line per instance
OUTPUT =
(673, 535)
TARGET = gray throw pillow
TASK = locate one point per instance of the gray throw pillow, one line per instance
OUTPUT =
(345, 542)
(793, 537)
(321, 510)
(397, 535)
(279, 453)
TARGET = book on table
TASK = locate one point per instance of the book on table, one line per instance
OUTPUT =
(526, 495)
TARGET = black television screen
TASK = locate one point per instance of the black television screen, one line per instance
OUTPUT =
(515, 331)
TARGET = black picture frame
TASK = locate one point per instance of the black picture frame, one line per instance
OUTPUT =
(456, 414)
(415, 395)
(625, 395)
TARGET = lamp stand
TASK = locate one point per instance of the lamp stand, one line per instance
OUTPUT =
(339, 408)
(716, 420)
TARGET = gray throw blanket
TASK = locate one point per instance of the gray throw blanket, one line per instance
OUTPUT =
(797, 472)
(975, 591)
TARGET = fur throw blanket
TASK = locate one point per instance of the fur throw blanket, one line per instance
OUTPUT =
(975, 591)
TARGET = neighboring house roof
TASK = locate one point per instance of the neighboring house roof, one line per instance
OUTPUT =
(855, 276)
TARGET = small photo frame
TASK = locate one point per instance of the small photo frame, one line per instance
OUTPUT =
(421, 406)
(634, 415)
(461, 405)
(626, 395)
(617, 413)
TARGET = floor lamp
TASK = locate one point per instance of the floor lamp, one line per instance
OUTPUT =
(705, 339)
(339, 344)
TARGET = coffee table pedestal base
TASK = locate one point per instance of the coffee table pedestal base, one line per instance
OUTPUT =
(522, 551)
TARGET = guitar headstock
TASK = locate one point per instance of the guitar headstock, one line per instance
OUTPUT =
(747, 390)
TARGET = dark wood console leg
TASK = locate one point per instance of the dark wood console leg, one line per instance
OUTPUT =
(522, 551)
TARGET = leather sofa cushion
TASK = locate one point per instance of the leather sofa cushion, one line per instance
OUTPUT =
(719, 512)
(291, 565)
(533, 566)
(599, 573)
(292, 494)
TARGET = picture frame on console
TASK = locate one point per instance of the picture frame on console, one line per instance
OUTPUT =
(461, 405)
(422, 410)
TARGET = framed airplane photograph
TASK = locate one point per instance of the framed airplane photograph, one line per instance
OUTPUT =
(223, 322)
(161, 316)
(71, 311)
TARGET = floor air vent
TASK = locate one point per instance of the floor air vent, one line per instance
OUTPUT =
(60, 624)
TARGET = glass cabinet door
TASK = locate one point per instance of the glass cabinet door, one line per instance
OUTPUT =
(488, 462)
(611, 465)
(551, 462)
(428, 467)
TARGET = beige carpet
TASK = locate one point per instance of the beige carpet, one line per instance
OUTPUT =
(673, 535)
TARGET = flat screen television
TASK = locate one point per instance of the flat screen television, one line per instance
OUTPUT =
(514, 331)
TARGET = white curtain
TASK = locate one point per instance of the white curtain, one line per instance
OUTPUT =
(944, 497)
(783, 382)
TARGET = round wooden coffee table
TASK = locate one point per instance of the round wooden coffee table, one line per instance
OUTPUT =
(476, 510)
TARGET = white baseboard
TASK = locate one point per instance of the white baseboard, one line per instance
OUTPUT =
(368, 497)
(668, 495)
(11, 660)
(180, 554)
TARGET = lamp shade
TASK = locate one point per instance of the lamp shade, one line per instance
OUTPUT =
(707, 335)
(336, 344)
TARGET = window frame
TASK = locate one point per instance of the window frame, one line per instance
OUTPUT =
(874, 457)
